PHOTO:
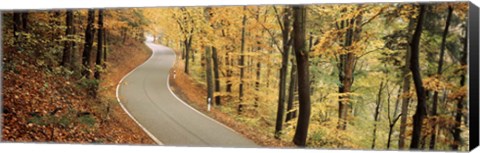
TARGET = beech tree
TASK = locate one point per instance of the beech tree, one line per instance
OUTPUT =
(87, 49)
(417, 79)
(301, 54)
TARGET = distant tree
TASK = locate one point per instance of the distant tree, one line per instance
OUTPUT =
(439, 74)
(457, 139)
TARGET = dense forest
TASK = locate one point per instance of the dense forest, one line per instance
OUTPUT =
(346, 76)
(360, 76)
(60, 69)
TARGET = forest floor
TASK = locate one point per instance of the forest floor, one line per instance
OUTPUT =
(42, 105)
(194, 93)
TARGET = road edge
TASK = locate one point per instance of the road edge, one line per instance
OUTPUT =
(125, 109)
(201, 113)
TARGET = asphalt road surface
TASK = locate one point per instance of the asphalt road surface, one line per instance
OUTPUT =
(145, 94)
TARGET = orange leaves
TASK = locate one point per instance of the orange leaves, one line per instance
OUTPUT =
(435, 84)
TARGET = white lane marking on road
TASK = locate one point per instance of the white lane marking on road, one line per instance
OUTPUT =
(126, 111)
(183, 102)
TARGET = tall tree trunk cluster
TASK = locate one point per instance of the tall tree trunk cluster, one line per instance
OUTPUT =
(88, 48)
(346, 67)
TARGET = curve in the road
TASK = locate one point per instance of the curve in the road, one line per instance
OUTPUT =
(145, 95)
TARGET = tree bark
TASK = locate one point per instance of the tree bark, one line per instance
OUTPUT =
(216, 75)
(241, 62)
(406, 88)
(105, 49)
(188, 42)
(67, 50)
(88, 44)
(420, 111)
(291, 114)
(377, 113)
(17, 21)
(283, 74)
(457, 139)
(439, 74)
(301, 54)
(99, 60)
(346, 69)
(229, 64)
(25, 21)
(208, 62)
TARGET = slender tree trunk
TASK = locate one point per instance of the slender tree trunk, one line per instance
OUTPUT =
(392, 123)
(439, 74)
(301, 54)
(17, 21)
(182, 46)
(420, 112)
(283, 74)
(25, 21)
(241, 62)
(66, 60)
(457, 139)
(229, 64)
(216, 75)
(291, 93)
(187, 42)
(88, 44)
(124, 35)
(105, 49)
(377, 113)
(406, 89)
(208, 62)
(99, 60)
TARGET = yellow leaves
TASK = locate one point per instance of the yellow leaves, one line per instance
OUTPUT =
(433, 83)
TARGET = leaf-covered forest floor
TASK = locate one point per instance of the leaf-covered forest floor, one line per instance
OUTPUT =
(193, 93)
(46, 105)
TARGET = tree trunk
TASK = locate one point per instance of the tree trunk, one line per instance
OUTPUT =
(377, 113)
(187, 53)
(406, 89)
(301, 54)
(87, 49)
(17, 21)
(124, 35)
(457, 139)
(105, 50)
(291, 114)
(25, 21)
(283, 74)
(241, 62)
(346, 68)
(67, 50)
(229, 64)
(208, 62)
(216, 75)
(99, 60)
(420, 112)
(439, 74)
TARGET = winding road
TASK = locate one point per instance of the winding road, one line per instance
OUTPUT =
(145, 95)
